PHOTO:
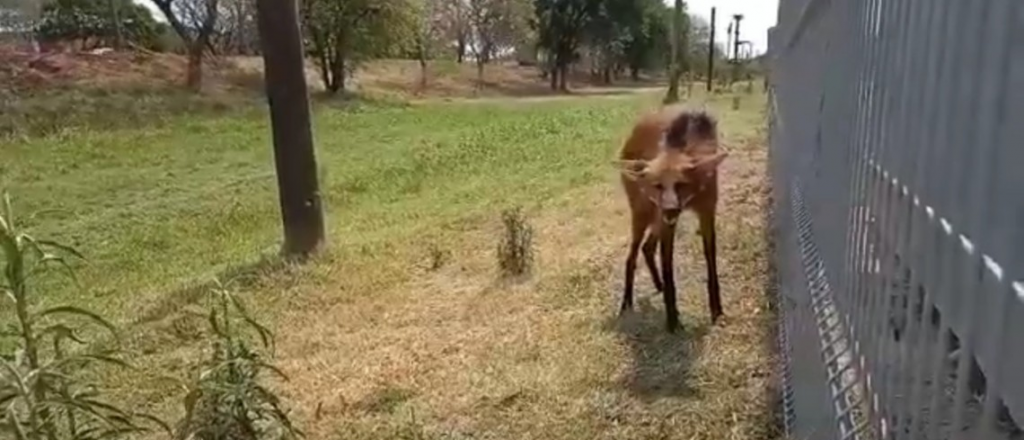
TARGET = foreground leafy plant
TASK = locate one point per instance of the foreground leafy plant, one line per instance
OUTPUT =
(44, 393)
(227, 400)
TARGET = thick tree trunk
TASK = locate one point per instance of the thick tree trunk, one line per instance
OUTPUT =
(423, 73)
(288, 98)
(554, 77)
(634, 73)
(675, 65)
(563, 73)
(115, 10)
(194, 75)
(460, 49)
(336, 74)
(480, 73)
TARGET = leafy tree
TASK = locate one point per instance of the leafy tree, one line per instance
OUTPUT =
(561, 28)
(20, 16)
(195, 21)
(93, 23)
(344, 33)
(429, 30)
(609, 31)
(455, 21)
(236, 31)
(649, 42)
(629, 34)
(496, 25)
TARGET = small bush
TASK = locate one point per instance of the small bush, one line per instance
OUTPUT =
(227, 400)
(515, 250)
(438, 257)
(44, 393)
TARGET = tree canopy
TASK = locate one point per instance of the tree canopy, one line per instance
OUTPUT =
(343, 33)
(93, 22)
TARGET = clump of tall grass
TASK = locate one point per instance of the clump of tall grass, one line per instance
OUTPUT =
(227, 400)
(515, 247)
(45, 360)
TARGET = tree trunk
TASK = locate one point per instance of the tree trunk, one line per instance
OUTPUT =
(634, 73)
(460, 49)
(607, 75)
(554, 77)
(288, 99)
(194, 75)
(675, 70)
(336, 73)
(480, 73)
(115, 10)
(563, 73)
(423, 73)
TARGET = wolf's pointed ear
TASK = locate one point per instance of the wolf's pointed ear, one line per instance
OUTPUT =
(707, 165)
(632, 169)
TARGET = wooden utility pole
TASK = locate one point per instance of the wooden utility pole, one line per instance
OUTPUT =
(735, 49)
(288, 98)
(736, 37)
(711, 51)
(728, 41)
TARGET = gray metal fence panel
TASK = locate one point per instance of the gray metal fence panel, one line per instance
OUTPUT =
(899, 229)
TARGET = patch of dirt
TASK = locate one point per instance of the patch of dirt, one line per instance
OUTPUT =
(447, 79)
(25, 71)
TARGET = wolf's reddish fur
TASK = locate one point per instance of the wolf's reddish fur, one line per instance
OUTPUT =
(669, 165)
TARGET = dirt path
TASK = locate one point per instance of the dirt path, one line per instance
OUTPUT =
(590, 92)
(455, 354)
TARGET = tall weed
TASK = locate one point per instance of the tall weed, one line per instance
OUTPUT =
(515, 247)
(45, 393)
(227, 400)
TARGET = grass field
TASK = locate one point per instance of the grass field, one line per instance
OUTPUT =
(402, 330)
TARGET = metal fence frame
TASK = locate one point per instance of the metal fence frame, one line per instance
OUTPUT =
(899, 235)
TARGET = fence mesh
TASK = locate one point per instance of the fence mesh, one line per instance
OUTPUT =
(898, 217)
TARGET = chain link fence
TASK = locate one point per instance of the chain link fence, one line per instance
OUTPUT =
(898, 217)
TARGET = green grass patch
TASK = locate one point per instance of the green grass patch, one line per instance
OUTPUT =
(60, 112)
(155, 208)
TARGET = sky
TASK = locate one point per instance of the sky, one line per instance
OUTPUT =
(758, 16)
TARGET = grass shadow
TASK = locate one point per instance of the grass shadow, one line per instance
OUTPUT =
(660, 361)
(239, 276)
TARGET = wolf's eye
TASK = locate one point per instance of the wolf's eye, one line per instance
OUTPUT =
(659, 187)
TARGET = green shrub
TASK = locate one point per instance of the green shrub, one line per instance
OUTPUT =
(515, 249)
(227, 400)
